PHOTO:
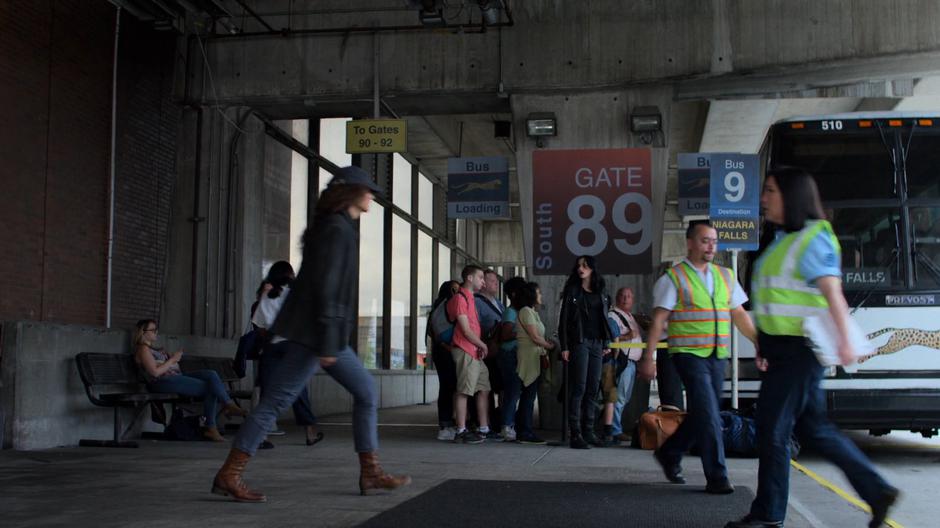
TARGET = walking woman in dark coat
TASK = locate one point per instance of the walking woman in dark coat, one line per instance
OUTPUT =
(316, 321)
(584, 335)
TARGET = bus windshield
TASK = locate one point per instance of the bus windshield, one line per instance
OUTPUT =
(890, 241)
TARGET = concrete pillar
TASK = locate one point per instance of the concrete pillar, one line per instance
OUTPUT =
(587, 120)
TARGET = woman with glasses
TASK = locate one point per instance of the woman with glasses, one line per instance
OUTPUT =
(163, 375)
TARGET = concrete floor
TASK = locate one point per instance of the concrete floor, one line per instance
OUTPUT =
(166, 484)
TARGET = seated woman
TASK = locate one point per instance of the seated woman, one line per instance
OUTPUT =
(163, 374)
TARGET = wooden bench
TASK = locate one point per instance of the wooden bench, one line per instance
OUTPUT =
(115, 380)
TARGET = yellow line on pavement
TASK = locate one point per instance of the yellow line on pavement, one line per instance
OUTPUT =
(636, 345)
(838, 491)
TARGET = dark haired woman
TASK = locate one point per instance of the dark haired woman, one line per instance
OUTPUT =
(438, 328)
(316, 322)
(271, 294)
(532, 347)
(583, 333)
(798, 276)
(163, 374)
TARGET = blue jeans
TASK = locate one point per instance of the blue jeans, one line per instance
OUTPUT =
(624, 391)
(527, 407)
(512, 386)
(702, 378)
(204, 384)
(790, 398)
(303, 412)
(290, 375)
(585, 376)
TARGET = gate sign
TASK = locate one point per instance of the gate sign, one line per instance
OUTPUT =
(376, 135)
(478, 188)
(734, 200)
(693, 184)
(592, 202)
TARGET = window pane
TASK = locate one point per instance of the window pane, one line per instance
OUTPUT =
(426, 292)
(923, 164)
(443, 264)
(371, 250)
(298, 193)
(333, 145)
(462, 233)
(839, 162)
(425, 201)
(926, 226)
(869, 246)
(401, 291)
(401, 183)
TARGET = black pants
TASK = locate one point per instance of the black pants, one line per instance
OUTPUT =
(584, 367)
(447, 380)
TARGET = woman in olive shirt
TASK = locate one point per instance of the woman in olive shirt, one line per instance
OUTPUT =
(531, 346)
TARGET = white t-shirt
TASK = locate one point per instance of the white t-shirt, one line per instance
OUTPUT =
(267, 311)
(619, 316)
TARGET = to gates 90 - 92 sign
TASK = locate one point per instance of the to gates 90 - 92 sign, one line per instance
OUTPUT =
(592, 202)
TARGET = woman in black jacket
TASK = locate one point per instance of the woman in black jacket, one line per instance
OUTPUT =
(584, 334)
(316, 321)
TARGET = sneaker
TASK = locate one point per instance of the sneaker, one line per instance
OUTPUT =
(531, 440)
(468, 437)
(509, 433)
(491, 436)
(276, 432)
(447, 434)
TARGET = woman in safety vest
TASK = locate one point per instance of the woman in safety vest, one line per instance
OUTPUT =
(797, 276)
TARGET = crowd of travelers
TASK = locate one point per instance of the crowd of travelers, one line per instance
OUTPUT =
(491, 358)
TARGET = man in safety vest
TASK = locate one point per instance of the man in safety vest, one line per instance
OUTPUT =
(700, 300)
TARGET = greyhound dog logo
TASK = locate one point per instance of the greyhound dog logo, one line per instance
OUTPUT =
(491, 185)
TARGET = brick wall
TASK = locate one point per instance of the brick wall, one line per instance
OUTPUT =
(147, 135)
(55, 106)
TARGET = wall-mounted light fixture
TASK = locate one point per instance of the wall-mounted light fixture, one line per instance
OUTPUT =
(646, 121)
(430, 12)
(490, 10)
(539, 125)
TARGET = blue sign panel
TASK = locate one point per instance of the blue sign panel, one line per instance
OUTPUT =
(693, 183)
(478, 188)
(734, 200)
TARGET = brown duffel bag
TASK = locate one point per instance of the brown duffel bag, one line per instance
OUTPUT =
(656, 426)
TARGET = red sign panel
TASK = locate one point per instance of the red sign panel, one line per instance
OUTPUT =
(592, 202)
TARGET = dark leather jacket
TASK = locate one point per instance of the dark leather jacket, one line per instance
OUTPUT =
(320, 310)
(571, 318)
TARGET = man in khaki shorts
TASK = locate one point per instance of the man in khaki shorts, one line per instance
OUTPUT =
(473, 378)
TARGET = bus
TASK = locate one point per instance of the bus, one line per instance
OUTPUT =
(879, 177)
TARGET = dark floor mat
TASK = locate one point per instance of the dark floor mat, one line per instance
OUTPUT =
(476, 503)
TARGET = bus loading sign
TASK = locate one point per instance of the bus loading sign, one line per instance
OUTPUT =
(734, 200)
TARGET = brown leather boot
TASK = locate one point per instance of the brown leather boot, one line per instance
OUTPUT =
(212, 433)
(232, 409)
(228, 481)
(371, 476)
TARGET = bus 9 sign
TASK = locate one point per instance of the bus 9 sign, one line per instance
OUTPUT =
(592, 202)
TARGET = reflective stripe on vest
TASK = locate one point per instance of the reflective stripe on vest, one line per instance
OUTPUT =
(782, 298)
(700, 322)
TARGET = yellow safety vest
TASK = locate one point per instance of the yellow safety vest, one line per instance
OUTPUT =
(700, 322)
(782, 298)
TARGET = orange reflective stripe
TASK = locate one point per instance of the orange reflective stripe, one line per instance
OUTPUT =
(721, 273)
(688, 283)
